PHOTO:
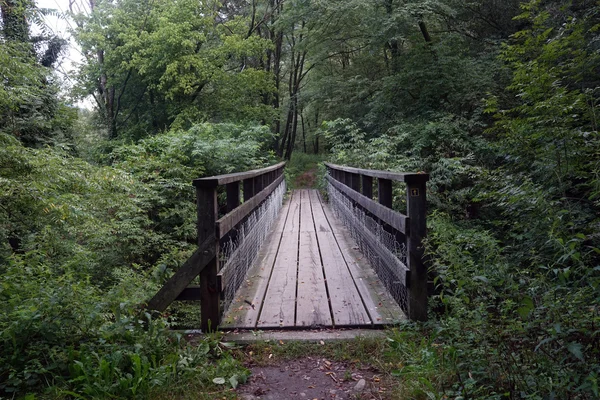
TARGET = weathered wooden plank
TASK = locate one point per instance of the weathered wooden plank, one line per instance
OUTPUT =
(395, 176)
(230, 220)
(306, 218)
(346, 304)
(312, 307)
(293, 222)
(242, 315)
(214, 181)
(184, 275)
(279, 306)
(393, 218)
(381, 307)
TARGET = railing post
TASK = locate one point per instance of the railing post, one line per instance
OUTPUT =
(355, 182)
(248, 189)
(233, 195)
(207, 207)
(367, 186)
(416, 209)
(384, 190)
(258, 184)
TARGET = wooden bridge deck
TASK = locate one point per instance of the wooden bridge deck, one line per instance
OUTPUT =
(310, 274)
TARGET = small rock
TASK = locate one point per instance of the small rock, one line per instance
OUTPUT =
(333, 392)
(360, 386)
(302, 394)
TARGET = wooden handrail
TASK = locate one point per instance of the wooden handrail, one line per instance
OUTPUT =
(257, 184)
(220, 180)
(393, 176)
(357, 185)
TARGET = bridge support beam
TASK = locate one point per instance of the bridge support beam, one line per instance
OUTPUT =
(207, 206)
(416, 203)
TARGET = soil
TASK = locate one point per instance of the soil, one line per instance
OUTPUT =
(306, 179)
(314, 378)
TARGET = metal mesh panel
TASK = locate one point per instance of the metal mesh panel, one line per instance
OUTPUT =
(380, 247)
(239, 250)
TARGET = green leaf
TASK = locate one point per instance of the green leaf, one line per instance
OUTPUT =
(234, 381)
(575, 349)
(526, 307)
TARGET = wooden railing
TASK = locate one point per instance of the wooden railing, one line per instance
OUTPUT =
(256, 186)
(357, 185)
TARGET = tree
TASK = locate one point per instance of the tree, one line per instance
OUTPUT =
(30, 108)
(151, 66)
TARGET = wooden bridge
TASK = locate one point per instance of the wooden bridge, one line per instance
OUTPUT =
(272, 263)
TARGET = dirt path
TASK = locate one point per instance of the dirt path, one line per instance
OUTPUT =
(306, 180)
(314, 378)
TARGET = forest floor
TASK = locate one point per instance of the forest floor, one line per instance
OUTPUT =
(314, 378)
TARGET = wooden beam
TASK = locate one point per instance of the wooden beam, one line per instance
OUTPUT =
(367, 186)
(394, 176)
(210, 312)
(393, 218)
(229, 221)
(183, 277)
(417, 209)
(218, 180)
(233, 195)
(355, 182)
(385, 192)
(248, 189)
(190, 293)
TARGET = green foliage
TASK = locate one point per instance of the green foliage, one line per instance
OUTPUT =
(84, 246)
(513, 241)
(167, 163)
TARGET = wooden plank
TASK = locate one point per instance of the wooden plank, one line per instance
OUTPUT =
(184, 276)
(393, 218)
(382, 308)
(312, 307)
(346, 304)
(213, 181)
(395, 176)
(230, 220)
(278, 309)
(306, 218)
(293, 222)
(242, 315)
